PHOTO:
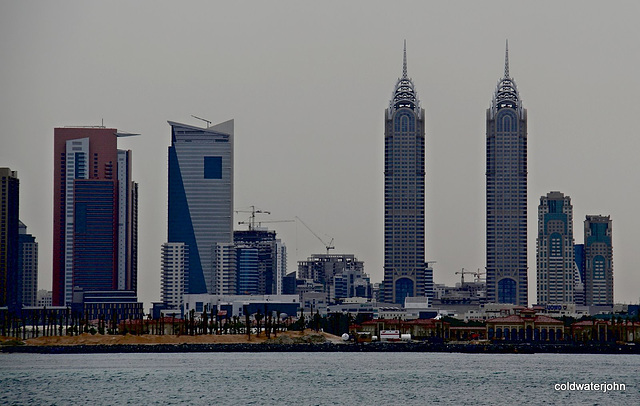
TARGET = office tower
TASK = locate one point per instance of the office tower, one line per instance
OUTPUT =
(506, 194)
(225, 269)
(28, 265)
(248, 272)
(404, 193)
(127, 224)
(261, 261)
(598, 260)
(175, 268)
(200, 203)
(10, 288)
(556, 265)
(95, 209)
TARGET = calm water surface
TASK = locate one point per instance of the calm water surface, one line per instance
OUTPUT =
(313, 379)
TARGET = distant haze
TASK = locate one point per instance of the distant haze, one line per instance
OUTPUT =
(307, 85)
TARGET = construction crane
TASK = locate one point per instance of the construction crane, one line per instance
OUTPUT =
(252, 219)
(328, 246)
(462, 272)
(271, 221)
(479, 275)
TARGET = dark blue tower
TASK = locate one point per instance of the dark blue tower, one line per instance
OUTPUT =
(506, 177)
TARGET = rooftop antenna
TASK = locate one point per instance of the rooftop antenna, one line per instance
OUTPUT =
(506, 60)
(404, 61)
(205, 120)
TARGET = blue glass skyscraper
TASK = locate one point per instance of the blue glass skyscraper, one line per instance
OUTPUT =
(404, 194)
(200, 201)
(556, 268)
(598, 260)
(506, 177)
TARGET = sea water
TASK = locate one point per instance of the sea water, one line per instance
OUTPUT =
(317, 379)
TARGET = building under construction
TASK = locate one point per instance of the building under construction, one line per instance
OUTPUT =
(340, 275)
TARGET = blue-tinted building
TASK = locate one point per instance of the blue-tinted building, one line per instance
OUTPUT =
(261, 261)
(506, 194)
(10, 277)
(555, 250)
(200, 202)
(598, 260)
(95, 235)
(28, 266)
(404, 194)
(247, 270)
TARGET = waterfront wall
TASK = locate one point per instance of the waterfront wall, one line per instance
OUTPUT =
(330, 347)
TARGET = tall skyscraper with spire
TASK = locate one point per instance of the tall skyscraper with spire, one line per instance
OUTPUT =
(404, 193)
(506, 194)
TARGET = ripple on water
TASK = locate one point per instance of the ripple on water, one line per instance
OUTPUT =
(312, 378)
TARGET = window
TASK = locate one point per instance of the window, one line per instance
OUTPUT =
(507, 291)
(404, 288)
(213, 167)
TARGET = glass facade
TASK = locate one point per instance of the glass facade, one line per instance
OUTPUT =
(200, 203)
(598, 260)
(506, 195)
(404, 195)
(555, 257)
(95, 248)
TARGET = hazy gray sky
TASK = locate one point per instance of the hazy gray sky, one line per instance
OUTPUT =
(307, 84)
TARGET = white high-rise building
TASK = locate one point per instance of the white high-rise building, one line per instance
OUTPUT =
(225, 269)
(175, 268)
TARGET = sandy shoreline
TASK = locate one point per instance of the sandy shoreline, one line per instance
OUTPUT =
(148, 339)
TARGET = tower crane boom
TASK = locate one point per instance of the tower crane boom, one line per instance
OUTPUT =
(327, 246)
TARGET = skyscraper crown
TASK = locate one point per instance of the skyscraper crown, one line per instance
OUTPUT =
(506, 94)
(404, 94)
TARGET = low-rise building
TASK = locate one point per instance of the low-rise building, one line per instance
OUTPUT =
(605, 330)
(421, 329)
(525, 326)
(236, 305)
(107, 305)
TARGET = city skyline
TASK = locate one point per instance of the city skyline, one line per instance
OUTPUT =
(307, 113)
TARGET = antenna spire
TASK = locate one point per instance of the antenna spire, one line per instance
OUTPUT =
(506, 60)
(404, 61)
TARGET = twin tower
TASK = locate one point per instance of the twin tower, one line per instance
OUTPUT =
(406, 274)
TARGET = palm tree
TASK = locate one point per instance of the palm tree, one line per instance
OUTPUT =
(258, 318)
(277, 326)
(246, 322)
